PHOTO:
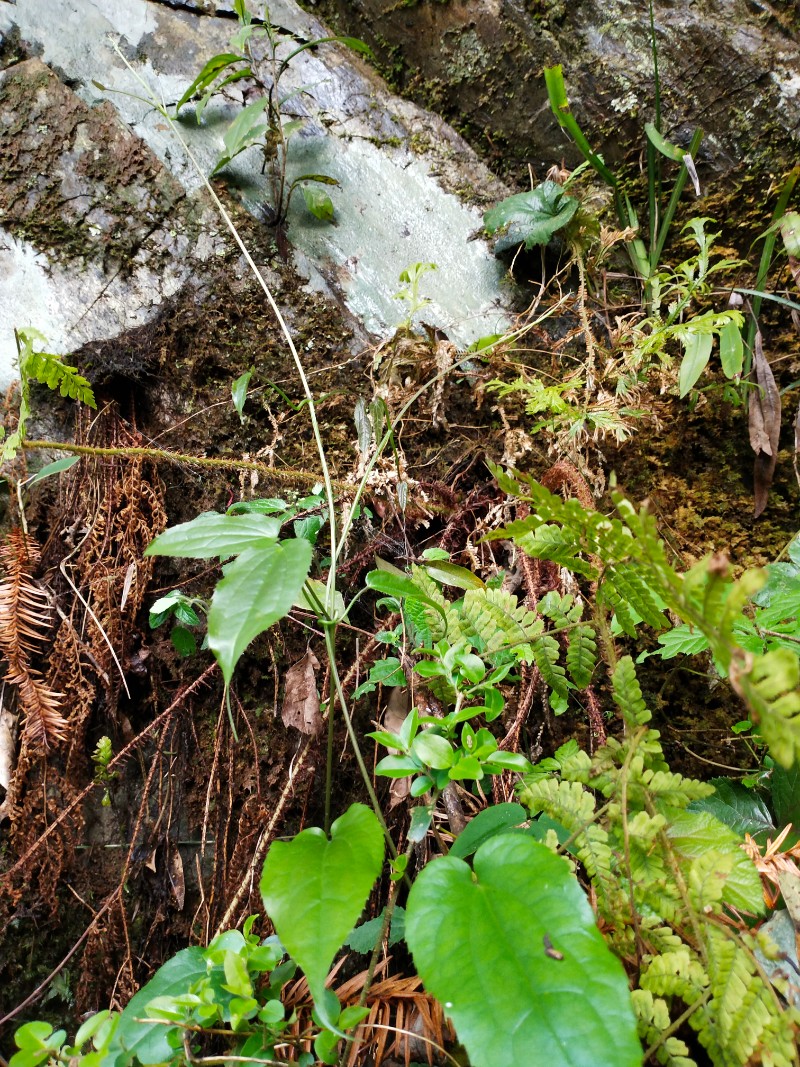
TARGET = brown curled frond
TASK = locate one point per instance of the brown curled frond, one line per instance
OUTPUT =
(25, 619)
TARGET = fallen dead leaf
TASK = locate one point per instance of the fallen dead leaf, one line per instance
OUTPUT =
(300, 707)
(393, 718)
(765, 425)
(8, 745)
(176, 879)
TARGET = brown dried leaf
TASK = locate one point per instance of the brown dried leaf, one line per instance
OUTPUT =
(301, 700)
(25, 618)
(396, 710)
(175, 873)
(8, 745)
(765, 425)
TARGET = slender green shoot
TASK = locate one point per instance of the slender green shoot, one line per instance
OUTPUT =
(764, 266)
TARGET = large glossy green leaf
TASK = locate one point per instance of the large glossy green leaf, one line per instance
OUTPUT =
(741, 809)
(260, 587)
(530, 218)
(144, 1042)
(515, 956)
(212, 534)
(786, 795)
(399, 586)
(314, 890)
(695, 834)
(497, 819)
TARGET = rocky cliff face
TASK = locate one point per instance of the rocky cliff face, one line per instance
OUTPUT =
(729, 66)
(103, 217)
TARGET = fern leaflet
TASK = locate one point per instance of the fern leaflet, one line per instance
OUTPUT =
(581, 655)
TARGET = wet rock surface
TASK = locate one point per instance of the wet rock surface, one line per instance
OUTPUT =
(732, 68)
(104, 216)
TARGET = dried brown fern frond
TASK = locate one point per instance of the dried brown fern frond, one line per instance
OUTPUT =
(25, 618)
(404, 1021)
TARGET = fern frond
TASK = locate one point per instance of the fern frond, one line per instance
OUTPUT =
(653, 1016)
(659, 938)
(49, 370)
(500, 621)
(672, 788)
(742, 1022)
(607, 595)
(630, 586)
(647, 863)
(770, 689)
(448, 626)
(24, 619)
(581, 655)
(569, 804)
(547, 541)
(562, 610)
(545, 651)
(648, 541)
(675, 974)
(628, 694)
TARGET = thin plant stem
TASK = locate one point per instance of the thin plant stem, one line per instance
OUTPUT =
(388, 912)
(336, 549)
(653, 155)
(764, 265)
(285, 474)
(312, 411)
(672, 206)
(330, 644)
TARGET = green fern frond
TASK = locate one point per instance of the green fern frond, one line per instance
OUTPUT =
(630, 586)
(644, 530)
(448, 627)
(581, 655)
(675, 974)
(659, 938)
(743, 1021)
(607, 595)
(569, 804)
(647, 863)
(547, 541)
(770, 688)
(628, 694)
(706, 881)
(545, 651)
(654, 1019)
(564, 610)
(569, 761)
(500, 621)
(671, 788)
(48, 369)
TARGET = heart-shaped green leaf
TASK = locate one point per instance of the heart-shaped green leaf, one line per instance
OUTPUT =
(518, 962)
(314, 890)
(259, 588)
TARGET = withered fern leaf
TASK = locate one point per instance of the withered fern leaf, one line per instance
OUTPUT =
(25, 618)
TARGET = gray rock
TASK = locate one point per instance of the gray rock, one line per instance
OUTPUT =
(102, 211)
